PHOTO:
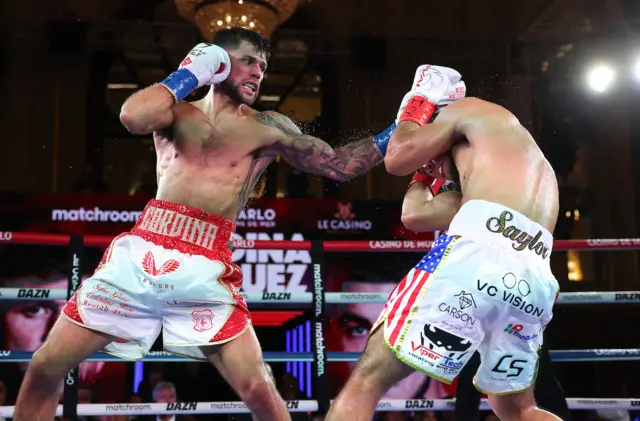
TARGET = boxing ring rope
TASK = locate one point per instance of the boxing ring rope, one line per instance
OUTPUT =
(605, 297)
(565, 355)
(235, 407)
(318, 298)
(328, 245)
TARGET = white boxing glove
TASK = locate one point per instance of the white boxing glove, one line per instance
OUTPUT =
(433, 87)
(206, 64)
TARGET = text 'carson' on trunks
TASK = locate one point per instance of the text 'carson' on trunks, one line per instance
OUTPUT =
(458, 313)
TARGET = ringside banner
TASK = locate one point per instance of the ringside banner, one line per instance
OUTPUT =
(277, 273)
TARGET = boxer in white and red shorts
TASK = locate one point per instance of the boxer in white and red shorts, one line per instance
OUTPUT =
(159, 277)
(174, 271)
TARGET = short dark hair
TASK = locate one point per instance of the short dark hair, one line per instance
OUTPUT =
(230, 38)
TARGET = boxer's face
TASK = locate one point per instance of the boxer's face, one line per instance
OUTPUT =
(27, 324)
(358, 318)
(247, 70)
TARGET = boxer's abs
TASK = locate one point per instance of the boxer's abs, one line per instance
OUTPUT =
(217, 185)
(514, 174)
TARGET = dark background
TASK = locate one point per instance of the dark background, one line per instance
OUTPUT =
(341, 68)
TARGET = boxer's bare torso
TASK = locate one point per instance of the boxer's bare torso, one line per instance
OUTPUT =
(211, 152)
(495, 156)
(501, 163)
(212, 160)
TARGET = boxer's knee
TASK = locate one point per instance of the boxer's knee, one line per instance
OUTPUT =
(46, 365)
(258, 393)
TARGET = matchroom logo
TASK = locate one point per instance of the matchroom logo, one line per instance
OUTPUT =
(94, 215)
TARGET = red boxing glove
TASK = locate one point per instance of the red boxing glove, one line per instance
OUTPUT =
(436, 185)
(420, 177)
(417, 109)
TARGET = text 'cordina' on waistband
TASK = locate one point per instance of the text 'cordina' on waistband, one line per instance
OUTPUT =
(171, 223)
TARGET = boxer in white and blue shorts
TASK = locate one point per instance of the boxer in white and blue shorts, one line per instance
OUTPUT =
(487, 284)
(475, 291)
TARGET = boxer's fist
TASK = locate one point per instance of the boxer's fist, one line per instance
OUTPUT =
(434, 184)
(209, 63)
(437, 84)
(421, 177)
(433, 87)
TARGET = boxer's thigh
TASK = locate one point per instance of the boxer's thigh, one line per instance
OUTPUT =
(67, 345)
(115, 301)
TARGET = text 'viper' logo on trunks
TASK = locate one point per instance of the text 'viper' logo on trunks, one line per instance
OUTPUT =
(465, 301)
(522, 238)
(512, 292)
(441, 349)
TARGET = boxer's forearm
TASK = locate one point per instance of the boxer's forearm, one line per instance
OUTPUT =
(148, 110)
(420, 214)
(411, 145)
(313, 155)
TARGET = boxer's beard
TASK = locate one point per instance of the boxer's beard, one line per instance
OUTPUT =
(233, 92)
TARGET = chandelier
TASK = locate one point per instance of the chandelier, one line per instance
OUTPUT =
(262, 16)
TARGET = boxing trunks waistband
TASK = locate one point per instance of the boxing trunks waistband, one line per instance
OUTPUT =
(186, 229)
(492, 223)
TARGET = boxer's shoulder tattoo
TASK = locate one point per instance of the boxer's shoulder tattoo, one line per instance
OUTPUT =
(313, 155)
(279, 121)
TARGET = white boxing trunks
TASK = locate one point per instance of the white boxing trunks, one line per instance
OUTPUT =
(487, 286)
(173, 272)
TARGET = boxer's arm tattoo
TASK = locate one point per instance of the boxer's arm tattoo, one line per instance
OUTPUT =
(313, 155)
